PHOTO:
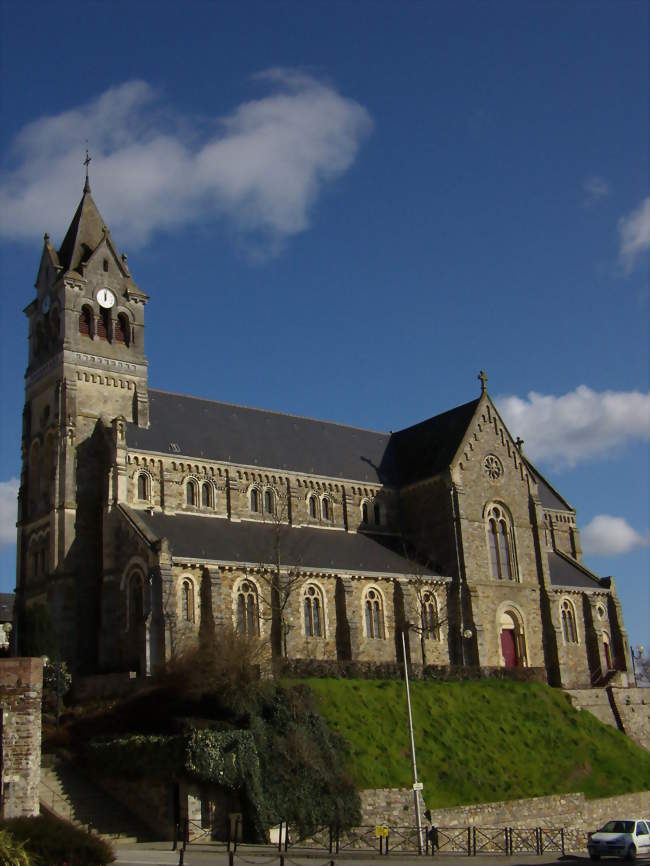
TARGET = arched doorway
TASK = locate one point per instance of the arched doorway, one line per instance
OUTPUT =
(511, 640)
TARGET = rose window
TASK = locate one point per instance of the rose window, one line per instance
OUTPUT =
(493, 467)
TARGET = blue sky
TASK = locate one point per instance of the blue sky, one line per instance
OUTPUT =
(345, 210)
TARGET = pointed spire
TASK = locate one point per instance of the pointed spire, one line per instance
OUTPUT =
(483, 378)
(87, 162)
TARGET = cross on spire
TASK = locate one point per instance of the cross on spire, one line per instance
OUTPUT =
(86, 162)
(483, 377)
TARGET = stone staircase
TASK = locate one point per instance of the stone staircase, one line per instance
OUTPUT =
(68, 793)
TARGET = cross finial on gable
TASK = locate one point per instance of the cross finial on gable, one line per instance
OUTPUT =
(519, 443)
(86, 162)
(483, 377)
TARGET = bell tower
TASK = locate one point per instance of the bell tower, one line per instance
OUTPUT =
(86, 367)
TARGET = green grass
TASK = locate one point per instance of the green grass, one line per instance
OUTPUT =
(478, 741)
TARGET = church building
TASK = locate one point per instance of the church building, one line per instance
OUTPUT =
(147, 519)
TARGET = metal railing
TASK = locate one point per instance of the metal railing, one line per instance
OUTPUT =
(467, 841)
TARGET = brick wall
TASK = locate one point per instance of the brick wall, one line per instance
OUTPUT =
(21, 684)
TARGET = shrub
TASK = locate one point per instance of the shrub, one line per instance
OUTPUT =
(12, 852)
(50, 842)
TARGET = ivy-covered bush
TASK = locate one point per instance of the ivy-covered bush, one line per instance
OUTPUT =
(12, 852)
(49, 842)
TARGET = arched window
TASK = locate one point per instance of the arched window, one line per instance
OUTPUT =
(269, 501)
(255, 499)
(187, 601)
(376, 510)
(501, 543)
(313, 608)
(312, 507)
(569, 629)
(206, 494)
(430, 621)
(190, 493)
(608, 651)
(247, 609)
(104, 324)
(364, 512)
(122, 330)
(86, 321)
(34, 476)
(136, 600)
(143, 486)
(374, 610)
(326, 508)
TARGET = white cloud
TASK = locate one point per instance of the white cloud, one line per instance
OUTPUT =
(595, 190)
(577, 426)
(635, 234)
(8, 511)
(261, 167)
(611, 536)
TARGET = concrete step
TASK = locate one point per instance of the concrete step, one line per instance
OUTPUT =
(68, 793)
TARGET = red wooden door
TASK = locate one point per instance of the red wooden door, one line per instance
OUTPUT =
(509, 647)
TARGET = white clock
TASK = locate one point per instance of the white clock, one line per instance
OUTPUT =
(105, 298)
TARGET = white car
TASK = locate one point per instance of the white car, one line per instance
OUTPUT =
(628, 837)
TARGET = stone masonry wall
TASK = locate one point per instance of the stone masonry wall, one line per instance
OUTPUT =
(21, 684)
(633, 706)
(577, 815)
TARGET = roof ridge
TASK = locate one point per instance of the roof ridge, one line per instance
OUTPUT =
(270, 412)
(474, 402)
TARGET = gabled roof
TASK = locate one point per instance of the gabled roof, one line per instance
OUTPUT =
(548, 495)
(566, 571)
(85, 233)
(256, 437)
(254, 543)
(428, 448)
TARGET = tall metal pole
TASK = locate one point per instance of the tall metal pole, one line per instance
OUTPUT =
(417, 787)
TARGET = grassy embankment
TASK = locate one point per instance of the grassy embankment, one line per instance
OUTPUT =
(479, 741)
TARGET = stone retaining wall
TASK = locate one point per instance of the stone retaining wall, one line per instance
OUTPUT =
(633, 707)
(577, 815)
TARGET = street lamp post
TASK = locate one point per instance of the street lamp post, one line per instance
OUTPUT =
(417, 786)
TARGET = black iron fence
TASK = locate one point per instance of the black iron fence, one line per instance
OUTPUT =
(432, 840)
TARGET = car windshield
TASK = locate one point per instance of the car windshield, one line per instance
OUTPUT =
(618, 827)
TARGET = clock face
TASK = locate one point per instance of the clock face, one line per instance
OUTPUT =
(105, 298)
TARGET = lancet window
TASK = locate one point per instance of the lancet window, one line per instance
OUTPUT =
(501, 543)
(374, 614)
(313, 611)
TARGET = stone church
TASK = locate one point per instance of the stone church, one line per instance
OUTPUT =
(147, 517)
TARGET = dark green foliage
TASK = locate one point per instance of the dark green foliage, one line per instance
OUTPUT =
(217, 723)
(50, 842)
(301, 764)
(36, 632)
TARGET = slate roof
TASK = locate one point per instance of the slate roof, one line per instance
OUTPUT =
(207, 429)
(567, 572)
(548, 496)
(252, 542)
(211, 430)
(83, 236)
(429, 447)
(6, 606)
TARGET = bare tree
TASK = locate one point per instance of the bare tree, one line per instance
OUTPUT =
(277, 580)
(431, 611)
